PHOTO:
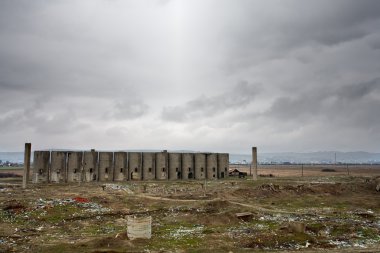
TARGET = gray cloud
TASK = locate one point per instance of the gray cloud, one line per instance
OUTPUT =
(286, 26)
(209, 106)
(107, 74)
(128, 109)
(359, 91)
(37, 119)
(348, 106)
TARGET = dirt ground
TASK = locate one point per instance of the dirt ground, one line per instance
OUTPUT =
(333, 212)
(316, 170)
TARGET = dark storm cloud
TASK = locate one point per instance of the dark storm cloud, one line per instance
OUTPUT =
(359, 91)
(290, 25)
(354, 105)
(209, 106)
(72, 70)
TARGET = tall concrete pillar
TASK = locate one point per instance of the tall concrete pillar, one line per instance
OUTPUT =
(148, 166)
(187, 166)
(254, 162)
(58, 167)
(41, 162)
(200, 166)
(121, 166)
(223, 165)
(90, 166)
(134, 165)
(174, 160)
(105, 166)
(211, 166)
(162, 165)
(27, 153)
(74, 166)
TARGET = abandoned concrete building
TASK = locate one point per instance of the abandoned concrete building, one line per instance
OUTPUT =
(93, 166)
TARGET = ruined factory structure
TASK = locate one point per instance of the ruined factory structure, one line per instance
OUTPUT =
(94, 166)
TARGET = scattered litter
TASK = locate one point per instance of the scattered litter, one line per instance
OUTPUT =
(89, 206)
(269, 187)
(182, 232)
(339, 243)
(81, 200)
(125, 188)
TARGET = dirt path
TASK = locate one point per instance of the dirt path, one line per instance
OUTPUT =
(256, 208)
(262, 209)
(176, 200)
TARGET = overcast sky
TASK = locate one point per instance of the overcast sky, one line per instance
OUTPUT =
(215, 75)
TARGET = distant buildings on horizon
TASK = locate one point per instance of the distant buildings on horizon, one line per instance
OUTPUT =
(15, 159)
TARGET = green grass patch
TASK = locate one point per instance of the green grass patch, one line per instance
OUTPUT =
(56, 213)
(176, 236)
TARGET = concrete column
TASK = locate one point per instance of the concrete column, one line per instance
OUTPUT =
(211, 166)
(187, 166)
(200, 166)
(27, 153)
(74, 166)
(174, 166)
(58, 167)
(90, 166)
(223, 165)
(254, 162)
(121, 166)
(41, 162)
(134, 165)
(105, 166)
(148, 166)
(161, 165)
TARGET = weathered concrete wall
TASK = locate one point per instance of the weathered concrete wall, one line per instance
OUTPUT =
(149, 166)
(200, 165)
(58, 167)
(223, 165)
(162, 165)
(187, 166)
(74, 166)
(68, 166)
(41, 163)
(134, 165)
(175, 166)
(90, 166)
(211, 166)
(121, 166)
(105, 166)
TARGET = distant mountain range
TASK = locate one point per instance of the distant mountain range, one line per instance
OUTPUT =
(311, 157)
(285, 157)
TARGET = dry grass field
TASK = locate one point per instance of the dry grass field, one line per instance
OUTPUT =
(313, 170)
(336, 213)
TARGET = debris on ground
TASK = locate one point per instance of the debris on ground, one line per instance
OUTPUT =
(125, 188)
(273, 214)
(244, 216)
(269, 187)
